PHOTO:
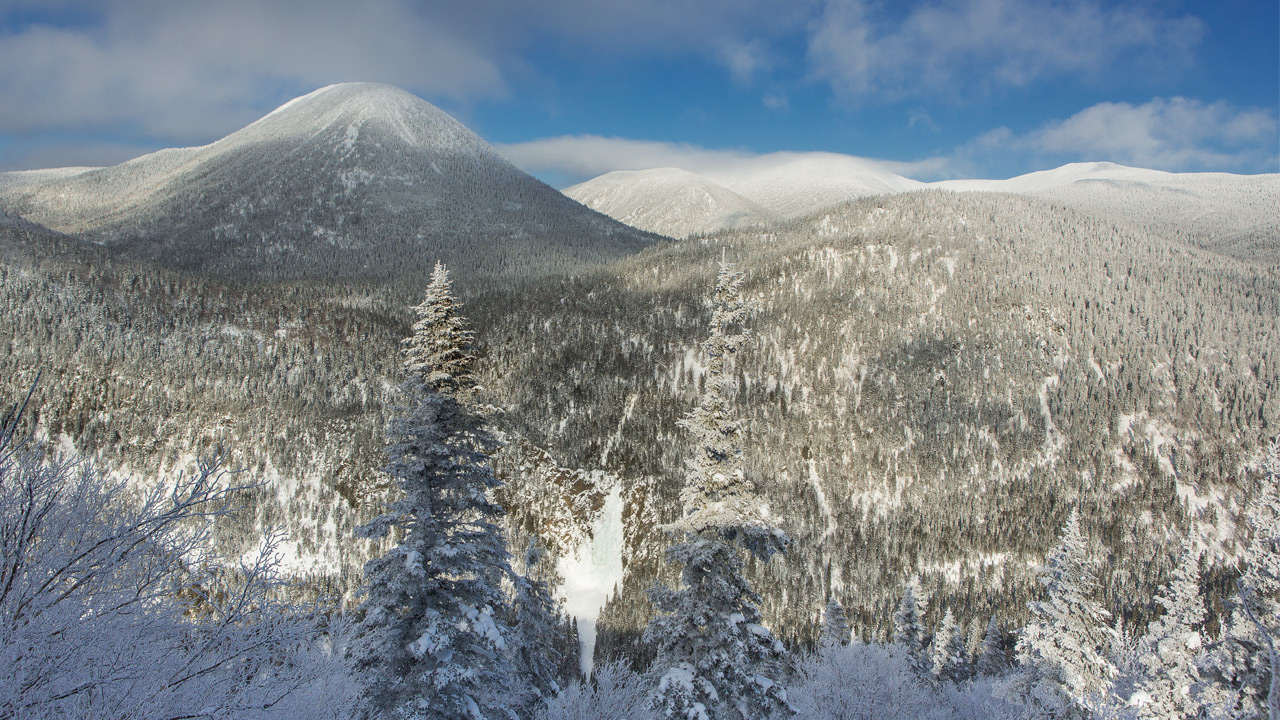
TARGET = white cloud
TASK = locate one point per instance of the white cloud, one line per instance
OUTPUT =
(745, 59)
(586, 156)
(576, 158)
(193, 71)
(958, 47)
(73, 154)
(1175, 134)
(188, 72)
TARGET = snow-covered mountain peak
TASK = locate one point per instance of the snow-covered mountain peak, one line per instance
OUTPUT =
(356, 109)
(794, 184)
(314, 187)
(742, 193)
(670, 201)
(1063, 176)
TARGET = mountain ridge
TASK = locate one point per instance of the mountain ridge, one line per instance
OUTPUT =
(1230, 213)
(359, 180)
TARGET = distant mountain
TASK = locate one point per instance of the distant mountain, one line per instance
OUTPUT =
(937, 379)
(755, 192)
(1060, 177)
(351, 181)
(797, 184)
(1231, 214)
(669, 201)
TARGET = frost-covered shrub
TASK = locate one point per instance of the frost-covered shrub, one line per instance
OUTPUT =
(113, 606)
(867, 682)
(613, 693)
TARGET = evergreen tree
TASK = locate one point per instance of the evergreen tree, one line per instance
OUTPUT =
(992, 660)
(1171, 643)
(714, 658)
(835, 624)
(908, 625)
(439, 350)
(1244, 665)
(538, 628)
(1063, 649)
(432, 642)
(948, 656)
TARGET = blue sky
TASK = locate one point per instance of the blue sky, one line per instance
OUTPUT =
(573, 88)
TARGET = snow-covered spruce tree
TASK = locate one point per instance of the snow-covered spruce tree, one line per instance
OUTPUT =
(439, 350)
(835, 624)
(1171, 643)
(949, 661)
(992, 660)
(714, 658)
(535, 650)
(1063, 650)
(909, 628)
(1243, 667)
(432, 640)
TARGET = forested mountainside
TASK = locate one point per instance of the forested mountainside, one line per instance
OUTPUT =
(357, 181)
(938, 380)
(1230, 214)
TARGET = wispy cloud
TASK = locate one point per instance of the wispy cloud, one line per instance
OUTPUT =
(1176, 134)
(961, 47)
(192, 71)
(69, 154)
(580, 157)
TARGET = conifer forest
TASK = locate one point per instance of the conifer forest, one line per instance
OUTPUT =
(283, 439)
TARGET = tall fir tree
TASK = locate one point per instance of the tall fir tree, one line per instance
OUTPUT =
(992, 659)
(439, 347)
(714, 658)
(538, 624)
(1063, 650)
(432, 640)
(949, 659)
(909, 629)
(1171, 643)
(835, 624)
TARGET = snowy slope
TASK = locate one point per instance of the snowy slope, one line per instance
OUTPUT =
(669, 201)
(796, 184)
(751, 192)
(22, 178)
(1233, 214)
(1059, 177)
(357, 179)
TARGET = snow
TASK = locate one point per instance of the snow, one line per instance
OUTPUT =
(799, 184)
(755, 191)
(781, 186)
(669, 201)
(1057, 178)
(332, 118)
(1054, 441)
(815, 481)
(591, 573)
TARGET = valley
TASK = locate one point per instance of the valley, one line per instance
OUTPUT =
(938, 374)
